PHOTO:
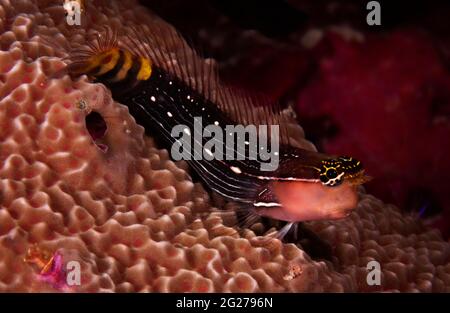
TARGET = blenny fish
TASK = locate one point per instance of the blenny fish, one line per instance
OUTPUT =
(165, 83)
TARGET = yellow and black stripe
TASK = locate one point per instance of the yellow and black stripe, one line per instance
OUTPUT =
(117, 67)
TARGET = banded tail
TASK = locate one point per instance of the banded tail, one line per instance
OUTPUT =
(106, 62)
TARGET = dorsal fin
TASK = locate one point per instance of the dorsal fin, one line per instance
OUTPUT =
(167, 49)
(80, 55)
(247, 108)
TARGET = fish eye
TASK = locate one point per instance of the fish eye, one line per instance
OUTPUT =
(331, 173)
(330, 181)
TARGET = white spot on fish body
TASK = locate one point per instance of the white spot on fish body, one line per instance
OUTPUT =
(235, 169)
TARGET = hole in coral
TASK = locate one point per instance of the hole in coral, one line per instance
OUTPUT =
(96, 125)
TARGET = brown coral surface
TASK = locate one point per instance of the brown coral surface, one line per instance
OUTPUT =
(128, 214)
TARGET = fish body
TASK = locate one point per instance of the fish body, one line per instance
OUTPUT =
(160, 94)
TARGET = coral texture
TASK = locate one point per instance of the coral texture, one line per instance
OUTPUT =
(129, 215)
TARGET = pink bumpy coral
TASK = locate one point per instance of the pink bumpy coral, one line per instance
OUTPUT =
(128, 214)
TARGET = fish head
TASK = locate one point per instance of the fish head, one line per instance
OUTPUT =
(315, 186)
(333, 172)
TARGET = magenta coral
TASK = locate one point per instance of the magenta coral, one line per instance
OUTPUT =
(385, 95)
